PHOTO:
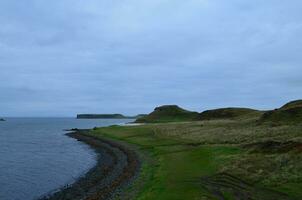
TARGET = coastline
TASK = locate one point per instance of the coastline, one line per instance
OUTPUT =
(116, 168)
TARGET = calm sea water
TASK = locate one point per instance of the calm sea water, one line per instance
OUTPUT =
(37, 158)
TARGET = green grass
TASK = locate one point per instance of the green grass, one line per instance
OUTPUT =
(178, 154)
(292, 104)
(291, 115)
(176, 164)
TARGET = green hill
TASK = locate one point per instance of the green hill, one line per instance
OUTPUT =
(228, 113)
(290, 113)
(168, 113)
(292, 104)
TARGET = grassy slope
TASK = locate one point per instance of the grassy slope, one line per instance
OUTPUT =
(183, 152)
(292, 104)
(290, 113)
(168, 113)
(229, 113)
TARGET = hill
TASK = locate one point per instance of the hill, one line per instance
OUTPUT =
(292, 104)
(290, 113)
(228, 113)
(2, 120)
(168, 113)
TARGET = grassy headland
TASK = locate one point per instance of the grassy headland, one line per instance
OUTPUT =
(168, 113)
(236, 158)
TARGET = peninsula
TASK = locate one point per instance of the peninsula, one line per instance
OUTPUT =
(106, 116)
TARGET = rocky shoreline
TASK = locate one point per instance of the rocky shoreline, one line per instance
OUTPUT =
(117, 166)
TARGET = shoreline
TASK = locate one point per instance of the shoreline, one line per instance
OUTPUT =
(116, 168)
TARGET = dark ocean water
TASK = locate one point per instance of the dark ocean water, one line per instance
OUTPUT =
(37, 158)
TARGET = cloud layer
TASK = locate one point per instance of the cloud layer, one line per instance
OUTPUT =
(64, 57)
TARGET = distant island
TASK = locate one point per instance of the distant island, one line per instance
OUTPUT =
(2, 120)
(107, 116)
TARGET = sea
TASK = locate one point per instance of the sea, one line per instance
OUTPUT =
(37, 158)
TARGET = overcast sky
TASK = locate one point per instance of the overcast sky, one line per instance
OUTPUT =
(62, 57)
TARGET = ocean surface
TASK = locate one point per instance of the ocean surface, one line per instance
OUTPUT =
(36, 158)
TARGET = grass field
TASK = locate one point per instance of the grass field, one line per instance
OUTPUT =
(215, 159)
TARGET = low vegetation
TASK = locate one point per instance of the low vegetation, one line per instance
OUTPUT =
(290, 113)
(236, 158)
(229, 113)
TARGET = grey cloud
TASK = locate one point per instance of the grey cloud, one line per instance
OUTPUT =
(64, 57)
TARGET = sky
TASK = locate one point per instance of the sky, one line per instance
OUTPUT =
(62, 57)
